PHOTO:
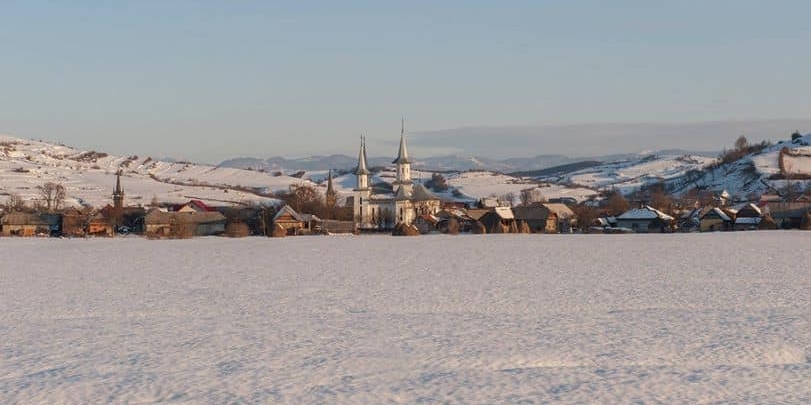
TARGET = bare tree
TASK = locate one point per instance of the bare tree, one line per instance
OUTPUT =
(509, 198)
(15, 203)
(616, 203)
(741, 144)
(53, 194)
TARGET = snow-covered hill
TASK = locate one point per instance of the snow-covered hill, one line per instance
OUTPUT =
(89, 177)
(630, 175)
(752, 174)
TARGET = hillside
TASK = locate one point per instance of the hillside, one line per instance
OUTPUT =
(89, 177)
(752, 174)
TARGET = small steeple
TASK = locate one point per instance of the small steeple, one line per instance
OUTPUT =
(118, 193)
(402, 155)
(329, 182)
(331, 195)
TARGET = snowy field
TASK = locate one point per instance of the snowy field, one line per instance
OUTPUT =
(498, 319)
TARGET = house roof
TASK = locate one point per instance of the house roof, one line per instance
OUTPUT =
(645, 212)
(196, 205)
(749, 209)
(561, 210)
(156, 216)
(504, 212)
(476, 214)
(457, 213)
(718, 213)
(23, 218)
(309, 217)
(533, 212)
(289, 211)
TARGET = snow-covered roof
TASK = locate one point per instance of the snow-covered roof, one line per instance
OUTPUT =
(288, 210)
(718, 212)
(504, 212)
(421, 193)
(645, 212)
(561, 210)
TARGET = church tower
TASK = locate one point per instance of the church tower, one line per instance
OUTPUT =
(118, 193)
(403, 165)
(331, 195)
(362, 192)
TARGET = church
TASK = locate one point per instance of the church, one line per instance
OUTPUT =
(374, 211)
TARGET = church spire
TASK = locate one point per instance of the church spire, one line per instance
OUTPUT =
(329, 182)
(362, 169)
(118, 193)
(402, 155)
(331, 195)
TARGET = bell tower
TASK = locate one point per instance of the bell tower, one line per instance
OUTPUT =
(403, 165)
(118, 193)
(362, 192)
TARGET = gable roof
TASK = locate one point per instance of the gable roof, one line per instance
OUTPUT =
(645, 212)
(156, 216)
(289, 211)
(559, 209)
(504, 212)
(529, 213)
(715, 211)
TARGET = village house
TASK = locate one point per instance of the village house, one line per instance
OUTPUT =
(74, 222)
(499, 220)
(787, 214)
(546, 217)
(427, 223)
(645, 219)
(289, 220)
(747, 216)
(30, 224)
(460, 215)
(99, 225)
(184, 224)
(715, 219)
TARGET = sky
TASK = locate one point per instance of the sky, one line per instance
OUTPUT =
(211, 80)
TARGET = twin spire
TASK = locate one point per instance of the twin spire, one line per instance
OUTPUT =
(362, 167)
(402, 155)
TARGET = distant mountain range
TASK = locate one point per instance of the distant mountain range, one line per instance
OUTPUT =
(439, 163)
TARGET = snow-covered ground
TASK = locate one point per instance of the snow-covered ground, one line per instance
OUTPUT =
(630, 175)
(488, 184)
(517, 319)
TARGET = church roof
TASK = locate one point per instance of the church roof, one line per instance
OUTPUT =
(402, 194)
(421, 193)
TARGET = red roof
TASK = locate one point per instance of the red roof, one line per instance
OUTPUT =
(197, 204)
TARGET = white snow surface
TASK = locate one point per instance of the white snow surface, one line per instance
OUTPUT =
(477, 185)
(495, 319)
